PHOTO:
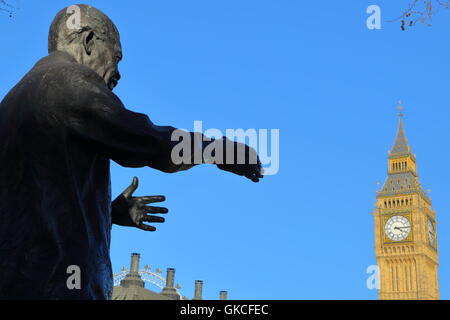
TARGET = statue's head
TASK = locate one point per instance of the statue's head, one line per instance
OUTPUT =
(90, 37)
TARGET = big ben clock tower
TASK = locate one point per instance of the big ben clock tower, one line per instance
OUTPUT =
(405, 229)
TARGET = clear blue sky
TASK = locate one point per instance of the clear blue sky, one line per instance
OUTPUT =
(309, 68)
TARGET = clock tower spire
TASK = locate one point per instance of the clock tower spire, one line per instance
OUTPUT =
(405, 229)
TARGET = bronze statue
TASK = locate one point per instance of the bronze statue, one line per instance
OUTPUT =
(59, 128)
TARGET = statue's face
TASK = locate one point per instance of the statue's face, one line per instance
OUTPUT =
(104, 58)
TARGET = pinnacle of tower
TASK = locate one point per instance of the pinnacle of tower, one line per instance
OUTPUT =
(401, 145)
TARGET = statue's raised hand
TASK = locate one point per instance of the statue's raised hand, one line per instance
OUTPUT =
(132, 211)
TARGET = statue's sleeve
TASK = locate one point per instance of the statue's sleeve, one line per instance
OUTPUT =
(97, 116)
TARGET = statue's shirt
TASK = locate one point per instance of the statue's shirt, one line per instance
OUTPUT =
(59, 128)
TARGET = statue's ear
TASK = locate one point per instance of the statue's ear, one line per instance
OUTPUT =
(88, 41)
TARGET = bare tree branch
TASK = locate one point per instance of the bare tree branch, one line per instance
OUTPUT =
(421, 11)
(7, 8)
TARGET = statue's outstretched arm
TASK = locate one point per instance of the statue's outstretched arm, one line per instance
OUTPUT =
(132, 140)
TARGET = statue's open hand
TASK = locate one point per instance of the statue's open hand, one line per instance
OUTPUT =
(250, 168)
(138, 210)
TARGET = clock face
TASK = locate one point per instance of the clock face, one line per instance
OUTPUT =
(431, 232)
(397, 228)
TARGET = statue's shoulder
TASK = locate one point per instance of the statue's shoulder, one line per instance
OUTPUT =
(65, 69)
(58, 82)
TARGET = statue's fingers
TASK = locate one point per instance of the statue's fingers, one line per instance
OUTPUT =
(131, 188)
(153, 219)
(150, 199)
(145, 227)
(253, 177)
(260, 168)
(149, 209)
(259, 171)
(254, 169)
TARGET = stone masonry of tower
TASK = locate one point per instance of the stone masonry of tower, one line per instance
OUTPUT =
(405, 230)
